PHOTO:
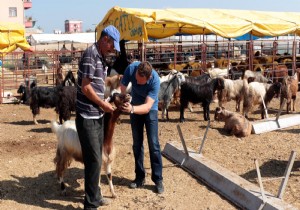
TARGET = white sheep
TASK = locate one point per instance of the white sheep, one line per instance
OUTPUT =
(257, 76)
(256, 92)
(232, 91)
(217, 72)
(235, 123)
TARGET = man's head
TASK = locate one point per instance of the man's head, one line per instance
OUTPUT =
(143, 74)
(109, 40)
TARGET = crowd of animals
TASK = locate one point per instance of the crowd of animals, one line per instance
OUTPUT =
(251, 88)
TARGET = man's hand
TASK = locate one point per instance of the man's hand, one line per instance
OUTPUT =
(127, 107)
(107, 107)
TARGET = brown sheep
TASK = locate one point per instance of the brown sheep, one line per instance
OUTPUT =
(235, 123)
(289, 91)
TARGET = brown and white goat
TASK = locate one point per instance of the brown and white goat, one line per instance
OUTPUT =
(235, 123)
(69, 148)
(289, 91)
(112, 83)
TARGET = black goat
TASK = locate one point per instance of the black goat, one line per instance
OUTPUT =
(121, 62)
(199, 94)
(24, 91)
(48, 97)
(66, 102)
(200, 80)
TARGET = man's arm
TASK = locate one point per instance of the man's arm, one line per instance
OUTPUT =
(89, 92)
(139, 109)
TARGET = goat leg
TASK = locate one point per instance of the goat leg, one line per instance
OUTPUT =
(62, 186)
(34, 120)
(109, 179)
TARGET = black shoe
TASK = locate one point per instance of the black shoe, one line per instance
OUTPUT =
(159, 187)
(104, 202)
(137, 183)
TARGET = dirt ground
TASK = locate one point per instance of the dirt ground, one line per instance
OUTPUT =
(27, 179)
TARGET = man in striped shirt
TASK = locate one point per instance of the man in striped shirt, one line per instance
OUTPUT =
(90, 108)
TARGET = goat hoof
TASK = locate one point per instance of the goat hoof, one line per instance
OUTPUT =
(114, 195)
(63, 193)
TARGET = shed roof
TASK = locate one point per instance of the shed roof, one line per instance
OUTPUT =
(142, 24)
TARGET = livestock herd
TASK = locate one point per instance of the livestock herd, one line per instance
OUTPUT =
(177, 88)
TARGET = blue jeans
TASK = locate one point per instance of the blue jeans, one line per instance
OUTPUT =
(150, 121)
(91, 135)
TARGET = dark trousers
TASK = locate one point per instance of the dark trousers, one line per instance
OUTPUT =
(91, 134)
(150, 121)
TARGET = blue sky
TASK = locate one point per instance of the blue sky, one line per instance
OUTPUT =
(51, 15)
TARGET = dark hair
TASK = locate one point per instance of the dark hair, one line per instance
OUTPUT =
(144, 69)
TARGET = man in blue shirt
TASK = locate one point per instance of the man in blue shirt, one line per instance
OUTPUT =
(144, 113)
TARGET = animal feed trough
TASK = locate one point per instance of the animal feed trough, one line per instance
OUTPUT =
(236, 189)
(275, 123)
(271, 124)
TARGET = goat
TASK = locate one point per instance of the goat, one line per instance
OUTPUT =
(59, 78)
(166, 92)
(47, 97)
(255, 93)
(217, 72)
(278, 73)
(69, 148)
(199, 94)
(232, 90)
(256, 76)
(235, 123)
(200, 80)
(168, 76)
(66, 102)
(289, 91)
(112, 83)
(24, 91)
(69, 79)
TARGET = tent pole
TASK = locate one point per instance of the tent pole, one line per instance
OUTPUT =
(251, 54)
(294, 54)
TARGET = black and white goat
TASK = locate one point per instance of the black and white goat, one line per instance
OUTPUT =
(167, 90)
(199, 94)
(69, 148)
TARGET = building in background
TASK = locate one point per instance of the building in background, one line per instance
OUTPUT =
(13, 11)
(73, 26)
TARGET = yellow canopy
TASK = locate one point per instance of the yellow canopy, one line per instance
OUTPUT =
(141, 24)
(12, 37)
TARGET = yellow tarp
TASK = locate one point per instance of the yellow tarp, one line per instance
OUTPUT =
(11, 37)
(141, 24)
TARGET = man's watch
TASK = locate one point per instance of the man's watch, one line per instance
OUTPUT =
(132, 110)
